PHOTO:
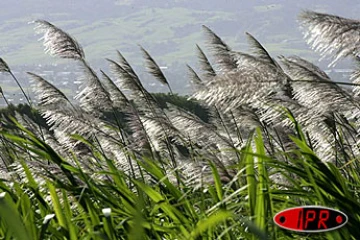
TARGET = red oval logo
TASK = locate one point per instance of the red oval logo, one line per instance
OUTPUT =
(310, 219)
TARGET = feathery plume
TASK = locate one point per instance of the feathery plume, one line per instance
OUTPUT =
(308, 65)
(3, 66)
(57, 42)
(221, 51)
(248, 85)
(126, 80)
(94, 96)
(153, 68)
(131, 82)
(259, 51)
(194, 128)
(67, 121)
(207, 70)
(128, 74)
(355, 77)
(116, 95)
(314, 89)
(331, 35)
(158, 131)
(46, 92)
(194, 77)
(244, 60)
(127, 67)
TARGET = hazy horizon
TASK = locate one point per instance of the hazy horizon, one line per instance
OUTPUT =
(169, 30)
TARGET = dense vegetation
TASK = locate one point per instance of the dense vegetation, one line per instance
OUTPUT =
(118, 163)
(162, 98)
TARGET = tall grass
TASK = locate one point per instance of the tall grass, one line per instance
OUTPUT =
(279, 135)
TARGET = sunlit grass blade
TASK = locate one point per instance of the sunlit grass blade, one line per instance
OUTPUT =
(10, 216)
(218, 184)
(262, 187)
(171, 211)
(210, 222)
(69, 216)
(56, 205)
(250, 178)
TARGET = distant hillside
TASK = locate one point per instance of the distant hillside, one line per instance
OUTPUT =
(168, 29)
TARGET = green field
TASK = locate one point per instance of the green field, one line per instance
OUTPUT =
(155, 28)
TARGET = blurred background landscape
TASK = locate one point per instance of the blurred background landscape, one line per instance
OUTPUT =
(169, 30)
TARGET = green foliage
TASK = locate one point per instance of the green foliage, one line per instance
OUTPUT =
(111, 209)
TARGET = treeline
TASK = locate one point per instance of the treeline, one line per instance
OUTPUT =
(162, 98)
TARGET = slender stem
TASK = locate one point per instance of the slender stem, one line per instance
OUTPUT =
(324, 81)
(22, 90)
(317, 81)
(6, 101)
(29, 102)
(170, 88)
